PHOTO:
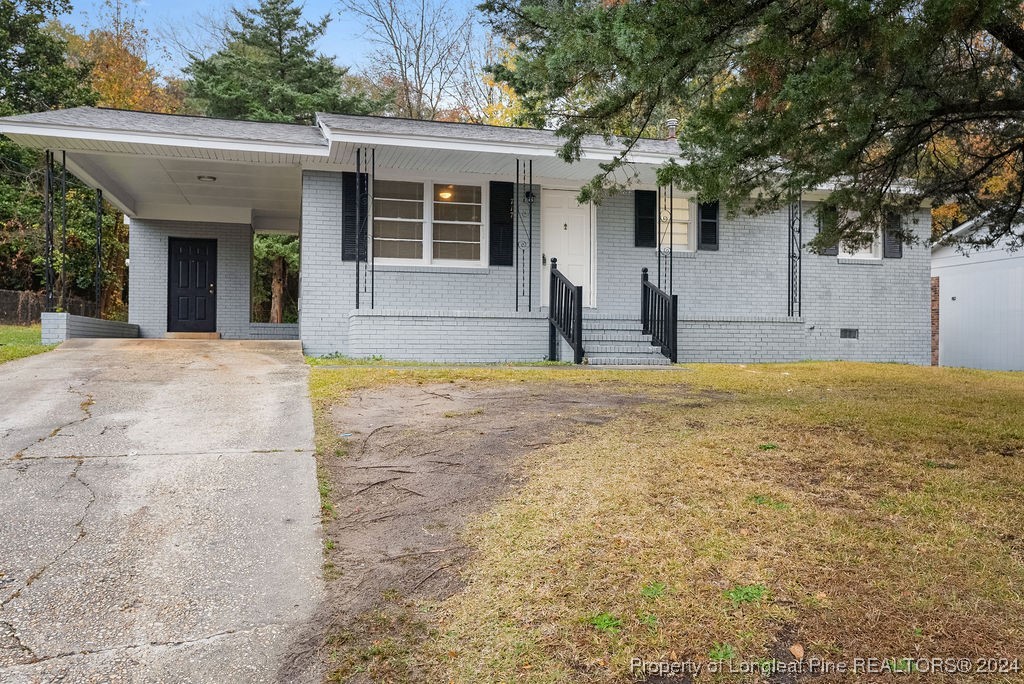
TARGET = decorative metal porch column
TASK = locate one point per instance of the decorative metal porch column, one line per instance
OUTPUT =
(63, 301)
(523, 195)
(366, 171)
(99, 254)
(794, 304)
(666, 280)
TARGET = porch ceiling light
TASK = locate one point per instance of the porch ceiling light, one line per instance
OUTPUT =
(206, 179)
(445, 194)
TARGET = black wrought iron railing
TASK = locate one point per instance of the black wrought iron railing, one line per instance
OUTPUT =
(565, 314)
(659, 315)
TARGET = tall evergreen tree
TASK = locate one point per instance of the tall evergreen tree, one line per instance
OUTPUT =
(889, 102)
(34, 73)
(269, 70)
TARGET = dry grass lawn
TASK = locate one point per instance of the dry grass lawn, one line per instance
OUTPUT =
(19, 341)
(856, 510)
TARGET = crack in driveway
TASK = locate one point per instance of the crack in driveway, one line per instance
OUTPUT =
(192, 493)
(149, 644)
(18, 643)
(85, 406)
(79, 525)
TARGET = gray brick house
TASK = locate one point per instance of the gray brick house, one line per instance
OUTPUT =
(448, 255)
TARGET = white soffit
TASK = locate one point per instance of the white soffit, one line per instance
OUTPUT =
(170, 188)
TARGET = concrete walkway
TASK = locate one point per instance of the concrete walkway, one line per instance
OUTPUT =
(159, 519)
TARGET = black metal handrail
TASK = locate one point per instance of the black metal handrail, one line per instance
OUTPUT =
(565, 314)
(659, 315)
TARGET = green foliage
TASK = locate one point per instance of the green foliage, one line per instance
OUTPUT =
(606, 622)
(265, 249)
(22, 233)
(887, 103)
(746, 593)
(34, 75)
(653, 590)
(269, 70)
(769, 502)
(721, 653)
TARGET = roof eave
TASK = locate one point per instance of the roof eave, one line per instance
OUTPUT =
(338, 135)
(160, 139)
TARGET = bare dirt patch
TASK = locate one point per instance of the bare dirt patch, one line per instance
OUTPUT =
(419, 460)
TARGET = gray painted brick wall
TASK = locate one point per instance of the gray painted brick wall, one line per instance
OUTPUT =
(274, 331)
(147, 275)
(732, 302)
(58, 327)
(886, 300)
(450, 336)
(328, 283)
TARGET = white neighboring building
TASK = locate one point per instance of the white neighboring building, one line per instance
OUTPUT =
(978, 307)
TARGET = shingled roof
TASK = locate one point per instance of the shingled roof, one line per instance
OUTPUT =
(121, 121)
(174, 124)
(479, 132)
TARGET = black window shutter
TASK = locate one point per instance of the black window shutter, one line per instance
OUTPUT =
(828, 215)
(502, 225)
(707, 226)
(892, 245)
(645, 226)
(349, 234)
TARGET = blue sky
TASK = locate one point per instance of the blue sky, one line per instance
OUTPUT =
(343, 40)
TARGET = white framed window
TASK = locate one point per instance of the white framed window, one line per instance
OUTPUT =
(872, 250)
(428, 222)
(397, 220)
(676, 224)
(457, 222)
(828, 217)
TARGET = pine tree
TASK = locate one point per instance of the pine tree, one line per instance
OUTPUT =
(269, 70)
(888, 103)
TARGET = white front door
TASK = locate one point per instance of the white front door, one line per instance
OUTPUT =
(566, 235)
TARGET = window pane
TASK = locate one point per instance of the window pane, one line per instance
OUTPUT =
(457, 216)
(867, 250)
(397, 249)
(456, 232)
(398, 190)
(444, 211)
(404, 230)
(675, 221)
(464, 251)
(387, 208)
(466, 194)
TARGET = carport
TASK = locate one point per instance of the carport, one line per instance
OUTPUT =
(190, 186)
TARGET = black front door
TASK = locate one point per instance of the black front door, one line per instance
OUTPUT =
(192, 286)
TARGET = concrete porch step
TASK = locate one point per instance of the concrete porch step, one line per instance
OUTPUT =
(644, 360)
(192, 335)
(619, 349)
(607, 324)
(607, 336)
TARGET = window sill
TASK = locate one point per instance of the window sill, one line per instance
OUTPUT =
(683, 253)
(860, 261)
(430, 268)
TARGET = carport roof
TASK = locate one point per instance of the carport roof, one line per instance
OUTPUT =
(171, 124)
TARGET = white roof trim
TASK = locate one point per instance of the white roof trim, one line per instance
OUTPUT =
(166, 139)
(433, 142)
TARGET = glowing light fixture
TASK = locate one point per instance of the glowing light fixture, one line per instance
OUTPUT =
(445, 194)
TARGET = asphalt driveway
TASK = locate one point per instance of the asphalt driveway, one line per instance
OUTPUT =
(159, 518)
